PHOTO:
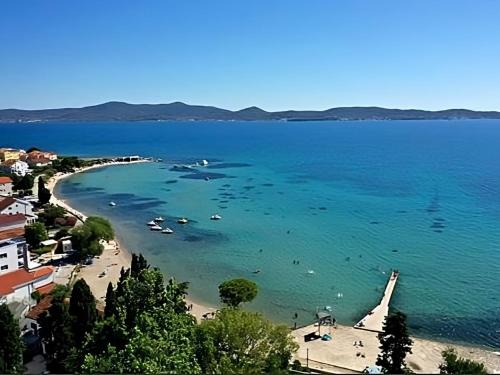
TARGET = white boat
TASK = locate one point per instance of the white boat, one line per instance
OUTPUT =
(159, 219)
(155, 227)
(204, 163)
(215, 217)
(182, 220)
(112, 204)
(151, 223)
(167, 231)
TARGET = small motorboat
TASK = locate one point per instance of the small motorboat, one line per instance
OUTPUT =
(207, 178)
(204, 163)
(151, 223)
(215, 217)
(155, 228)
(167, 231)
(182, 220)
(112, 204)
(159, 219)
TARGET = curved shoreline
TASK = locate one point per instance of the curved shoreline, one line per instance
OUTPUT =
(115, 255)
(337, 355)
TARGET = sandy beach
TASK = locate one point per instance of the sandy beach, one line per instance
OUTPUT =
(343, 354)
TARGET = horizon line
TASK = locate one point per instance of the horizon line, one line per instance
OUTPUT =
(249, 107)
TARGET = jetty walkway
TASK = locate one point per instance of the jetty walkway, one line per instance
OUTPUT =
(374, 320)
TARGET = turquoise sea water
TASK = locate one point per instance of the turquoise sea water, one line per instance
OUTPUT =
(348, 200)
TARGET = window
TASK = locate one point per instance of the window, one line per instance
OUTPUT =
(6, 267)
(4, 255)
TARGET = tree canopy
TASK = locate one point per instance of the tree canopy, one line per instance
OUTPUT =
(146, 328)
(236, 291)
(35, 233)
(453, 364)
(241, 342)
(395, 344)
(86, 238)
(50, 213)
(11, 347)
(83, 310)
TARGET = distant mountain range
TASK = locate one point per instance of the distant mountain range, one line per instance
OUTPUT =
(120, 111)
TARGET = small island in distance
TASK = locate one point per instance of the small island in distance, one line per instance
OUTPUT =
(121, 111)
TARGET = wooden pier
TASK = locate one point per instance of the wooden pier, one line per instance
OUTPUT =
(374, 320)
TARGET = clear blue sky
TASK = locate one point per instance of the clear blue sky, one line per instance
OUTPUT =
(283, 54)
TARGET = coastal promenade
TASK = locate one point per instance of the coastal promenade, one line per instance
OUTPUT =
(374, 320)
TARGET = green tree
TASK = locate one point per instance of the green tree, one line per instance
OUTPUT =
(86, 238)
(82, 309)
(110, 308)
(43, 193)
(11, 347)
(138, 264)
(454, 365)
(35, 233)
(24, 183)
(241, 342)
(162, 342)
(395, 344)
(236, 291)
(57, 335)
(148, 333)
(50, 213)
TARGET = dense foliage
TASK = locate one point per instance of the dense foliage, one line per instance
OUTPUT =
(241, 342)
(50, 213)
(23, 182)
(236, 291)
(35, 233)
(453, 364)
(395, 344)
(86, 238)
(146, 328)
(67, 164)
(11, 347)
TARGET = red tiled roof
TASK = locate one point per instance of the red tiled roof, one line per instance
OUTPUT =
(15, 279)
(40, 307)
(11, 233)
(46, 289)
(6, 202)
(5, 180)
(10, 219)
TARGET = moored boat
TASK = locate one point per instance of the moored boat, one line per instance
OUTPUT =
(155, 227)
(215, 217)
(182, 220)
(167, 231)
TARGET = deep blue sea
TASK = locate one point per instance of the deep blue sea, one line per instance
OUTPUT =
(347, 200)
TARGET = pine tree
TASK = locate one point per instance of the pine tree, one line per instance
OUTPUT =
(395, 344)
(11, 347)
(82, 309)
(43, 193)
